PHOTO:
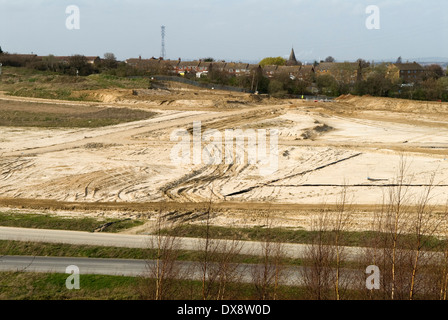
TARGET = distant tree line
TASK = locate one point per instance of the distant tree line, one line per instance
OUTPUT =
(371, 79)
(74, 65)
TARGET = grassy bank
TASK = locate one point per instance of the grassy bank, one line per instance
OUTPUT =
(18, 248)
(50, 85)
(27, 114)
(41, 286)
(285, 235)
(44, 221)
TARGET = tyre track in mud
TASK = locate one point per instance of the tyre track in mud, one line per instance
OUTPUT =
(8, 166)
(103, 185)
(10, 170)
(185, 189)
(293, 176)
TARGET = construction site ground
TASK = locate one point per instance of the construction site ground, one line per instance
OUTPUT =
(125, 170)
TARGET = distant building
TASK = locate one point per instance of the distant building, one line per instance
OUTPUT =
(291, 71)
(148, 65)
(237, 69)
(306, 73)
(292, 61)
(184, 67)
(347, 72)
(270, 71)
(408, 72)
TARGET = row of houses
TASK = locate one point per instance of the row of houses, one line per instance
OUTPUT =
(197, 66)
(200, 67)
(346, 72)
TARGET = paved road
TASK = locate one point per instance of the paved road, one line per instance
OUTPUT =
(133, 268)
(294, 251)
(86, 265)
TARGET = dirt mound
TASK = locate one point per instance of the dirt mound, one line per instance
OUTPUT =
(396, 105)
(109, 95)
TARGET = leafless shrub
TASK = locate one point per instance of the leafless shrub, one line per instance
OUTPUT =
(402, 247)
(268, 275)
(218, 266)
(324, 277)
(164, 272)
(318, 276)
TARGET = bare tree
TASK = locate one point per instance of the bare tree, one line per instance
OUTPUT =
(218, 265)
(340, 225)
(404, 228)
(163, 270)
(443, 267)
(268, 275)
(318, 276)
(325, 277)
(397, 217)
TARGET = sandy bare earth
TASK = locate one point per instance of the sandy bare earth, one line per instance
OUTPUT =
(357, 142)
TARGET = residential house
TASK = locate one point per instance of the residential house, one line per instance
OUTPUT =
(237, 69)
(408, 72)
(203, 68)
(148, 65)
(346, 72)
(306, 73)
(269, 71)
(217, 66)
(184, 67)
(291, 71)
(169, 66)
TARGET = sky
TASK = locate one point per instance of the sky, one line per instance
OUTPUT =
(231, 30)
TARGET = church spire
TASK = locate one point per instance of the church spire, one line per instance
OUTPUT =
(292, 56)
(292, 61)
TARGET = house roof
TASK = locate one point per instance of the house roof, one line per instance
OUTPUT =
(336, 65)
(270, 68)
(306, 69)
(289, 69)
(325, 66)
(205, 64)
(254, 66)
(408, 66)
(236, 66)
(171, 63)
(188, 63)
(143, 63)
(218, 65)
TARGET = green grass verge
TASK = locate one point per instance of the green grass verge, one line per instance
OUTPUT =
(49, 85)
(40, 286)
(27, 114)
(97, 119)
(285, 235)
(43, 221)
(18, 248)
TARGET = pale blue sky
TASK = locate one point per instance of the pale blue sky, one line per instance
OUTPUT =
(245, 30)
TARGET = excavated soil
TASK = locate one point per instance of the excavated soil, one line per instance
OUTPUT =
(126, 169)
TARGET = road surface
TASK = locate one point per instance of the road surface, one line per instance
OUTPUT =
(294, 251)
(133, 268)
